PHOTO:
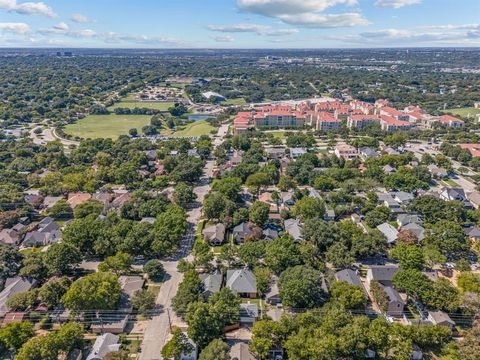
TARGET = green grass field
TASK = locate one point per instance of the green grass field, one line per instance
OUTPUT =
(106, 126)
(463, 112)
(237, 101)
(197, 128)
(131, 104)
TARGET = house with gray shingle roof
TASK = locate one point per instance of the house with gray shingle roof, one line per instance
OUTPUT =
(351, 277)
(104, 344)
(212, 283)
(214, 234)
(294, 228)
(382, 273)
(389, 232)
(13, 286)
(242, 282)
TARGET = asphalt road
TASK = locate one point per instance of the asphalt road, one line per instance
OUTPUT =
(158, 330)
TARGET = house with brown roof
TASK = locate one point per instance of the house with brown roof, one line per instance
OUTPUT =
(75, 199)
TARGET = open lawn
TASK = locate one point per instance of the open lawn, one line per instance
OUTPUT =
(106, 126)
(197, 128)
(236, 101)
(463, 112)
(131, 104)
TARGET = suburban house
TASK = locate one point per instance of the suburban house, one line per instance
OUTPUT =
(295, 153)
(212, 283)
(395, 302)
(47, 233)
(294, 228)
(115, 322)
(242, 231)
(351, 277)
(441, 318)
(367, 153)
(243, 282)
(240, 351)
(104, 344)
(275, 153)
(381, 273)
(437, 172)
(458, 194)
(75, 199)
(248, 313)
(273, 295)
(473, 233)
(405, 219)
(389, 232)
(214, 234)
(10, 237)
(415, 228)
(193, 355)
(13, 286)
(346, 152)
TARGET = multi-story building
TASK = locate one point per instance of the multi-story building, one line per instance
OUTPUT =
(327, 122)
(391, 124)
(362, 121)
(279, 119)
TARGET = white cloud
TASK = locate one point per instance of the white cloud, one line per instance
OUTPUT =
(325, 20)
(224, 38)
(306, 13)
(252, 28)
(396, 4)
(274, 8)
(16, 28)
(27, 8)
(79, 18)
(449, 35)
(61, 26)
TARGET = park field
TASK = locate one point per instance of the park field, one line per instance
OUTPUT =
(237, 101)
(132, 104)
(106, 126)
(463, 112)
(197, 128)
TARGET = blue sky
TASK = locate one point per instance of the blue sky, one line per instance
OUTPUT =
(239, 23)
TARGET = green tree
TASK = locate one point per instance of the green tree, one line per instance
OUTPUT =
(349, 296)
(184, 195)
(216, 350)
(282, 253)
(204, 324)
(188, 292)
(257, 181)
(52, 291)
(22, 301)
(258, 213)
(230, 187)
(98, 291)
(169, 228)
(339, 256)
(33, 266)
(14, 335)
(90, 207)
(409, 256)
(144, 301)
(177, 346)
(154, 269)
(61, 258)
(309, 208)
(61, 210)
(119, 263)
(300, 287)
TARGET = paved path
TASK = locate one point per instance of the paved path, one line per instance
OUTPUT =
(157, 332)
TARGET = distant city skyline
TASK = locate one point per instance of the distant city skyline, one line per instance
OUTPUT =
(240, 23)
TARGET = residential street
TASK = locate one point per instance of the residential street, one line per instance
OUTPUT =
(158, 330)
